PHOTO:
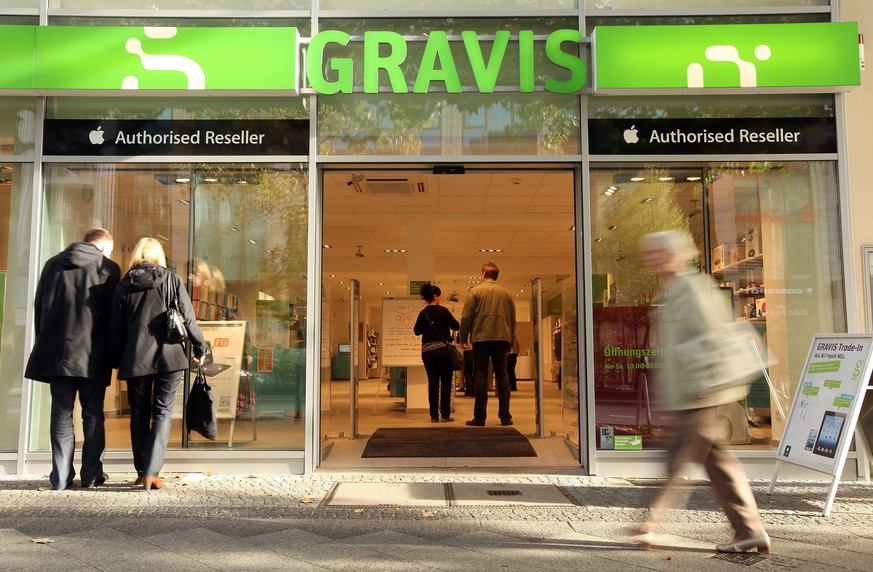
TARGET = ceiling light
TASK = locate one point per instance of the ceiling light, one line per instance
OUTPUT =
(613, 227)
(184, 201)
(665, 178)
(394, 250)
(210, 180)
(647, 201)
(253, 241)
(183, 180)
(598, 240)
(381, 283)
(233, 229)
(333, 275)
(326, 246)
(572, 228)
(490, 250)
(692, 178)
(637, 179)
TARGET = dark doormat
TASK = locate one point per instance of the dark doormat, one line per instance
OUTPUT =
(448, 442)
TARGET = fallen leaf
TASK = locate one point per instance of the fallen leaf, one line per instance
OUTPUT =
(41, 540)
(306, 500)
(41, 488)
(427, 513)
(359, 510)
(397, 508)
(208, 473)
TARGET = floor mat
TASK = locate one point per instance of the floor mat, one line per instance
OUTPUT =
(448, 442)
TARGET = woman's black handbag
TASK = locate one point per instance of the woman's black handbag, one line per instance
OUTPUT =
(451, 352)
(455, 357)
(176, 330)
(200, 412)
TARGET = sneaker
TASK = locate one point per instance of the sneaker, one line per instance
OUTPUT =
(475, 423)
(98, 482)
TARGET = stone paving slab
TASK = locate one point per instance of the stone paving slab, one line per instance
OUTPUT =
(260, 522)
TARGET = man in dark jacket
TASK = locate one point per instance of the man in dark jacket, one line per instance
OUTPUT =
(72, 308)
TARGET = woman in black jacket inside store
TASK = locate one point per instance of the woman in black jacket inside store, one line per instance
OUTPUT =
(434, 325)
(152, 366)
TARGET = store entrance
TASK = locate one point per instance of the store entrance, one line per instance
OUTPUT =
(387, 230)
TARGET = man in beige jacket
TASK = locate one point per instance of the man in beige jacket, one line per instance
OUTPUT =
(488, 322)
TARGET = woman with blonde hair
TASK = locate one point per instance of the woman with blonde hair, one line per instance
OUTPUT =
(152, 366)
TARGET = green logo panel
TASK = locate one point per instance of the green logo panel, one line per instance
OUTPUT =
(152, 59)
(730, 56)
(16, 57)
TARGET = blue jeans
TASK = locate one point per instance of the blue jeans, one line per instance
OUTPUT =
(439, 383)
(495, 352)
(151, 400)
(91, 394)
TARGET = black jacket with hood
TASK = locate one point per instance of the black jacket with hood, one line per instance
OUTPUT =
(139, 323)
(72, 312)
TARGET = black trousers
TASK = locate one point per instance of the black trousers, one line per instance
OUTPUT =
(439, 383)
(495, 352)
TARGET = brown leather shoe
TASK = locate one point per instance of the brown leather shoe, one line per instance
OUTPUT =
(152, 483)
(138, 481)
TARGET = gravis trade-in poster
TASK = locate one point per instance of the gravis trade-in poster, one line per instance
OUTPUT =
(828, 402)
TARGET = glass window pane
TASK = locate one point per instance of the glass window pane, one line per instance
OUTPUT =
(250, 230)
(17, 125)
(774, 237)
(698, 4)
(16, 182)
(250, 241)
(182, 4)
(468, 124)
(405, 5)
(724, 106)
(594, 21)
(302, 25)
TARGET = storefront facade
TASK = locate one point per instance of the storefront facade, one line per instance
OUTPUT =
(230, 133)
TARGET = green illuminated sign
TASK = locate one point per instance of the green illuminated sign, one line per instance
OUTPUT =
(731, 56)
(64, 59)
(156, 59)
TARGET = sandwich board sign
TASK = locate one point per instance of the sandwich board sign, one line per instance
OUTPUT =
(826, 407)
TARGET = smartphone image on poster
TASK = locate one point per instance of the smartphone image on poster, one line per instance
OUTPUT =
(810, 441)
(829, 434)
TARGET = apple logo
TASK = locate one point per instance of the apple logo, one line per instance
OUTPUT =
(96, 136)
(630, 135)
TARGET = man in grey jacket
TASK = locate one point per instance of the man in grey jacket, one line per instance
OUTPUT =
(488, 322)
(71, 309)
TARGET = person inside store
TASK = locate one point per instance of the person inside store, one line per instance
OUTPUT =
(691, 310)
(152, 366)
(488, 323)
(71, 311)
(434, 325)
(511, 362)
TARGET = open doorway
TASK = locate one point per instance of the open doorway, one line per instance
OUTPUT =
(389, 228)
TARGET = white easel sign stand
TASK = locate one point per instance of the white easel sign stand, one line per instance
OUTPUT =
(826, 407)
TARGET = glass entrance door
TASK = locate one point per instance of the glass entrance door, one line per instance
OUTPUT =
(394, 228)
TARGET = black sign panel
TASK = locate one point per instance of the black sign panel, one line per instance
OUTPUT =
(712, 136)
(176, 137)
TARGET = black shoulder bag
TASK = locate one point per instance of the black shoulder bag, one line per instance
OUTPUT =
(451, 352)
(200, 412)
(177, 333)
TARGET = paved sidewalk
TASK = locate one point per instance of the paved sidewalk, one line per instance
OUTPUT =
(267, 522)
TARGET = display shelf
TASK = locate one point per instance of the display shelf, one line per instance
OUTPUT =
(752, 263)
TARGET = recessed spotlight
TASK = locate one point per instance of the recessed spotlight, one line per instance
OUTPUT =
(333, 275)
(233, 229)
(637, 179)
(381, 283)
(665, 178)
(490, 250)
(210, 180)
(395, 250)
(598, 240)
(692, 179)
(572, 228)
(647, 201)
(326, 246)
(613, 227)
(183, 180)
(184, 201)
(253, 241)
